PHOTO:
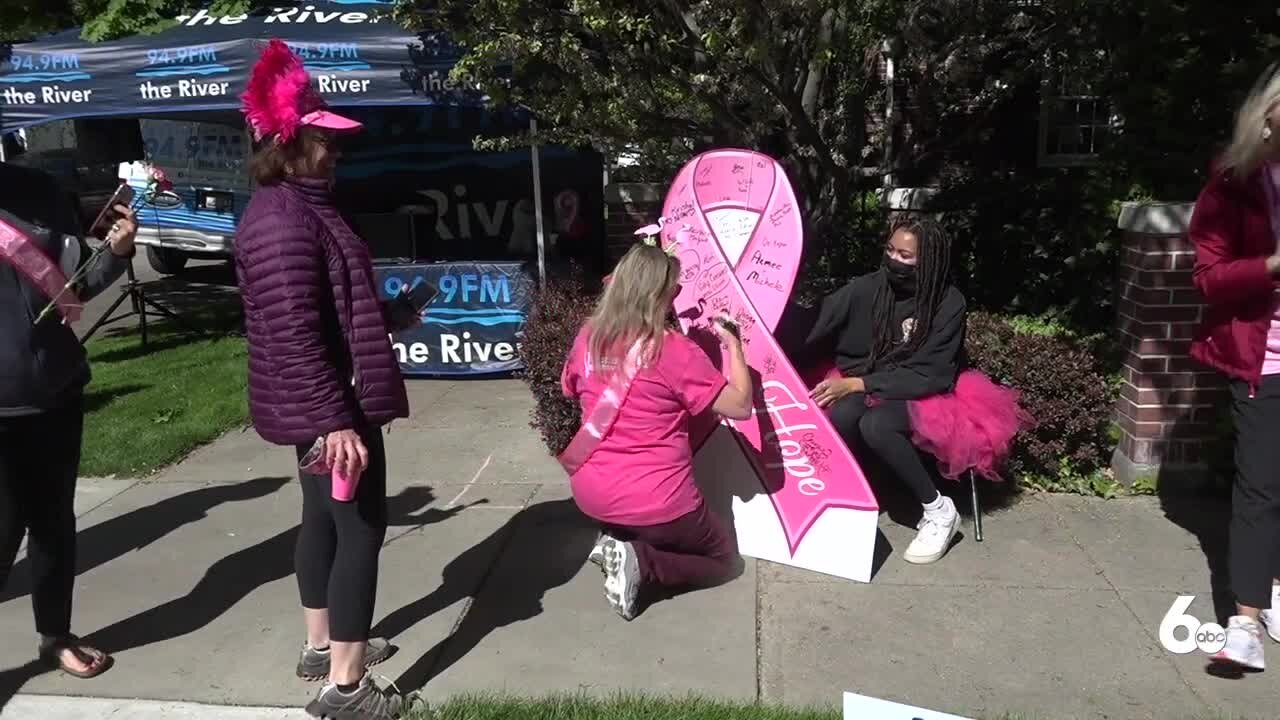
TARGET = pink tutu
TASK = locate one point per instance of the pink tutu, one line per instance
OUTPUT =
(970, 428)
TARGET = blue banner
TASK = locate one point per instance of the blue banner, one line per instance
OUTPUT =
(356, 54)
(474, 326)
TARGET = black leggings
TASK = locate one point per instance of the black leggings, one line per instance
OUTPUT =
(39, 461)
(885, 432)
(1254, 549)
(338, 546)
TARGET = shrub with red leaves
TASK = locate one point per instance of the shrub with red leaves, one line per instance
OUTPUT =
(558, 313)
(1064, 387)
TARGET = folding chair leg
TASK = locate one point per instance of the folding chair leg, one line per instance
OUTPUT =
(977, 509)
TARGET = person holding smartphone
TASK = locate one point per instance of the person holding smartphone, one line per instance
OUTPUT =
(322, 376)
(43, 372)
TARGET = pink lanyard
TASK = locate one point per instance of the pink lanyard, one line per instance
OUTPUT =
(27, 258)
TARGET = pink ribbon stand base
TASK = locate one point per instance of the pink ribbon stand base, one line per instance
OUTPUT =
(798, 496)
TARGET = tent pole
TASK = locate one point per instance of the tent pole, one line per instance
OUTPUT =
(537, 204)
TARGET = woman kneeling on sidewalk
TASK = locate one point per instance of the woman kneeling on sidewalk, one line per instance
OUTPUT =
(631, 464)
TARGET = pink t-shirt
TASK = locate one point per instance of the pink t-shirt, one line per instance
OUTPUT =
(642, 472)
(1271, 361)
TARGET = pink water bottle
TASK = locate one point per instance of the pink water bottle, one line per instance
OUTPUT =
(344, 487)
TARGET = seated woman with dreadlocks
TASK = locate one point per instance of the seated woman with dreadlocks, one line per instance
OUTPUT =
(897, 339)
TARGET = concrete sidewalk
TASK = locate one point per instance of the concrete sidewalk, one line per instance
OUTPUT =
(187, 578)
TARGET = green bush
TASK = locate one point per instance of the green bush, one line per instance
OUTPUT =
(1065, 387)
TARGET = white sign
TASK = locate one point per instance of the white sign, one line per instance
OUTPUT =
(1208, 637)
(861, 707)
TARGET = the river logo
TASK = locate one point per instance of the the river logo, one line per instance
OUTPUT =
(45, 67)
(167, 62)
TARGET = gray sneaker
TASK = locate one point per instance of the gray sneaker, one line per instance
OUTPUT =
(314, 665)
(367, 702)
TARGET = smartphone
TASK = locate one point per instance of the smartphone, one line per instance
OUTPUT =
(312, 463)
(421, 296)
(108, 216)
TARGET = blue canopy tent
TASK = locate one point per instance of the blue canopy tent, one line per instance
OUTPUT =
(358, 57)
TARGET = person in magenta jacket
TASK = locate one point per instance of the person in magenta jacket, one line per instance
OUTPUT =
(1236, 231)
(321, 373)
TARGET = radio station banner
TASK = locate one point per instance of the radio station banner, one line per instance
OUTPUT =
(420, 163)
(356, 53)
(475, 326)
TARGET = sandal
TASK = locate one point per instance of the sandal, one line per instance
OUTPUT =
(97, 662)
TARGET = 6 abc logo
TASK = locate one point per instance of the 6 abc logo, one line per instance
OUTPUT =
(1208, 637)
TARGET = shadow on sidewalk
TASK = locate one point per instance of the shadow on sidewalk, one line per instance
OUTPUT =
(110, 539)
(13, 679)
(1207, 515)
(231, 579)
(505, 580)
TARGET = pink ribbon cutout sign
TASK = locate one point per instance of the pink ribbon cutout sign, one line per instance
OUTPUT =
(800, 497)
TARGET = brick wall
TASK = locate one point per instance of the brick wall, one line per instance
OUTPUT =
(628, 207)
(1168, 403)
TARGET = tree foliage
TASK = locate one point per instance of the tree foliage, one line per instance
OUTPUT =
(669, 78)
(99, 20)
(1176, 70)
(800, 80)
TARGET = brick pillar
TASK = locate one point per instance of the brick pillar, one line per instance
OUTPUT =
(1166, 411)
(628, 207)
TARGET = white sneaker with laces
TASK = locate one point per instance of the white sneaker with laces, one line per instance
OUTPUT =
(1269, 619)
(622, 577)
(936, 530)
(1244, 644)
(596, 557)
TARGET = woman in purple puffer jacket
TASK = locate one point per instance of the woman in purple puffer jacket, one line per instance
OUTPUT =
(321, 372)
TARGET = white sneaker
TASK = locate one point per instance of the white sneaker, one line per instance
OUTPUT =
(596, 557)
(1244, 644)
(1269, 618)
(622, 577)
(936, 530)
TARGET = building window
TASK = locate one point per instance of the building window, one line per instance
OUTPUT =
(1076, 123)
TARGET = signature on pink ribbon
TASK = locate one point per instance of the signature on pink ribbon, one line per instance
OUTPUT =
(736, 225)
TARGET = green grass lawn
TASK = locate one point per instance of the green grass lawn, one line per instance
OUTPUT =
(637, 707)
(575, 707)
(147, 409)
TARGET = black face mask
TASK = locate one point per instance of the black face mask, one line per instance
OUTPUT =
(902, 277)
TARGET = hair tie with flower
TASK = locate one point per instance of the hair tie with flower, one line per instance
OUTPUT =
(651, 235)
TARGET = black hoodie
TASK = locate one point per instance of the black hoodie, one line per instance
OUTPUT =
(43, 367)
(844, 327)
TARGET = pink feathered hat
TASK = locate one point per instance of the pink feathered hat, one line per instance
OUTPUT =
(279, 98)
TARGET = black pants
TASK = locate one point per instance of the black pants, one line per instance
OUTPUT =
(1254, 556)
(885, 432)
(39, 461)
(338, 546)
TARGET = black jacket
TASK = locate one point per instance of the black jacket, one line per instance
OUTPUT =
(844, 328)
(43, 367)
